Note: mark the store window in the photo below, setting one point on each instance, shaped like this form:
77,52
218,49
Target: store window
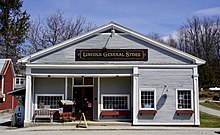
184,99
47,101
115,102
147,99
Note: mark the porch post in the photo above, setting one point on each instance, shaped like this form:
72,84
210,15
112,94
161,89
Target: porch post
28,97
66,87
135,95
196,94
98,99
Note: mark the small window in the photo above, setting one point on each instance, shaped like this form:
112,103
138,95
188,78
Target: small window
17,80
147,98
48,102
88,81
78,81
184,99
115,102
83,81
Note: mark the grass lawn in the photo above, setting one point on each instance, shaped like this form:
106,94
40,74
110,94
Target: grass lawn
213,105
209,121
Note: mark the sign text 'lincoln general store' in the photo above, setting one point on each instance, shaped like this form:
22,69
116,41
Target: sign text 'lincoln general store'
111,54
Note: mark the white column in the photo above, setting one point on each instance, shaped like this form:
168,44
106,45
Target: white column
135,95
66,87
196,94
28,97
98,93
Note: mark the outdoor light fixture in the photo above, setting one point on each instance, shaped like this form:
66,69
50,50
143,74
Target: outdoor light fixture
112,32
111,35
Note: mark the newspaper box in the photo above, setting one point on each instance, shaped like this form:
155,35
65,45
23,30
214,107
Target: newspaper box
66,110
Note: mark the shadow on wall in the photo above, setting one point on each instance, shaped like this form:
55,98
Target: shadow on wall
161,101
146,116
182,116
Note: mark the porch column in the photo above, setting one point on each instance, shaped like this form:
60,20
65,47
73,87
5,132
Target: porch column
135,95
196,94
28,97
99,101
66,88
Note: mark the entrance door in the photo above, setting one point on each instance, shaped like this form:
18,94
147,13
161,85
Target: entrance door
84,104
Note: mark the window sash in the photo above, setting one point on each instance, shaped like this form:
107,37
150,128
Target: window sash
147,99
184,99
48,101
115,102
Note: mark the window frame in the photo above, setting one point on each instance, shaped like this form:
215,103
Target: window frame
115,95
83,82
37,95
20,79
191,96
147,89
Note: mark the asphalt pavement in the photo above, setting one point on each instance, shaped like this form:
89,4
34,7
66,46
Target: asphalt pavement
209,110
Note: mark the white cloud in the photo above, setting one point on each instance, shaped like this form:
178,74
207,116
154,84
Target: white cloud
208,12
173,34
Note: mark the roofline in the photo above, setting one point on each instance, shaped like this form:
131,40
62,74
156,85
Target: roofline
67,42
124,29
8,62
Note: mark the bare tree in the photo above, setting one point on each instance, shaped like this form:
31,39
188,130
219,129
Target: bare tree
200,37
156,37
55,29
171,41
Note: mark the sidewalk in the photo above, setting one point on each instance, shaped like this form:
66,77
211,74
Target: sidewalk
209,110
110,128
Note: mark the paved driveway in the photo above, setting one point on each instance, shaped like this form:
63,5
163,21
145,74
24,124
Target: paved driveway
5,119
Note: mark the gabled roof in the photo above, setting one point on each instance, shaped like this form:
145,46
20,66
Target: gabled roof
4,65
116,27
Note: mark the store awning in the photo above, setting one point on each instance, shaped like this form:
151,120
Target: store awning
1,95
17,92
67,102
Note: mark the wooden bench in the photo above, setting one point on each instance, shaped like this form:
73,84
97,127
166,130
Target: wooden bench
115,113
43,113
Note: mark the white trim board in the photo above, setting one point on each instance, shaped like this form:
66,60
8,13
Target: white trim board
162,124
109,66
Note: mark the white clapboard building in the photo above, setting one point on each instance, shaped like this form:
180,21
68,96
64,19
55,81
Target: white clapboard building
115,74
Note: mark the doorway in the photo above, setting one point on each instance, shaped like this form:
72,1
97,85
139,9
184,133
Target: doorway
83,96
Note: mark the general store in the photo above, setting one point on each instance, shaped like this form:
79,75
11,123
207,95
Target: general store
115,74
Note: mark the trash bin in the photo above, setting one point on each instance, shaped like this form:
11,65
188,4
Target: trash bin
66,110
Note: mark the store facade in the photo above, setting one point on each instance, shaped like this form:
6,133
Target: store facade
115,74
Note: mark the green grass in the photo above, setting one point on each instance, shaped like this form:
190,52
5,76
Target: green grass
209,121
212,105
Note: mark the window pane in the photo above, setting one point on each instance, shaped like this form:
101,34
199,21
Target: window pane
17,80
78,81
147,99
88,81
184,99
115,102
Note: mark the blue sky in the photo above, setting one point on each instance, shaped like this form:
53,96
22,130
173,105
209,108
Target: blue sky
144,16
